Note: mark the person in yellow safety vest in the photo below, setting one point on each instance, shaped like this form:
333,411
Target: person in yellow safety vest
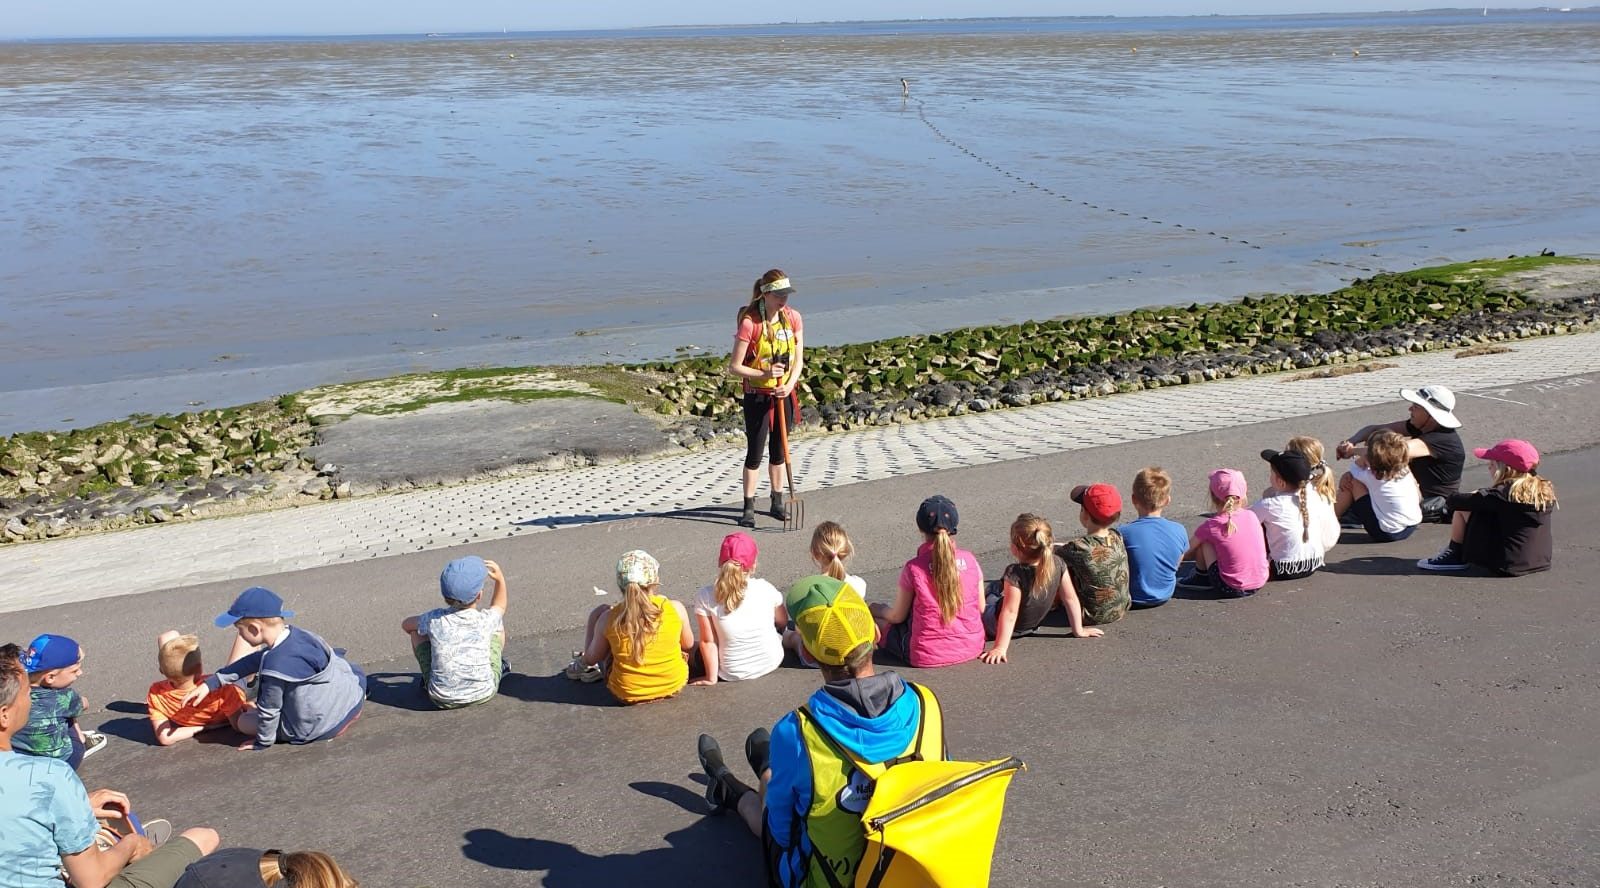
808,806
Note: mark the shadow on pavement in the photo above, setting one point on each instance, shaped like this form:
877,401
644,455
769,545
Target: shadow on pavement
681,796
130,728
1374,566
705,514
398,690
690,856
555,689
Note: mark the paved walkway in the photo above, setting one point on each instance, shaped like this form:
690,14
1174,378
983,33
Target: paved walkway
173,555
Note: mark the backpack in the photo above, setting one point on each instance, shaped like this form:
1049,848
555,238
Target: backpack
928,824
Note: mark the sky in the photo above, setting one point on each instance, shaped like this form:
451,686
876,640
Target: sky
135,18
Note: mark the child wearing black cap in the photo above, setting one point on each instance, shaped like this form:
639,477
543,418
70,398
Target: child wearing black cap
1293,549
937,615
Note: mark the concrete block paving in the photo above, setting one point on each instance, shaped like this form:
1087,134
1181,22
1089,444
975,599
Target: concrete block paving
173,555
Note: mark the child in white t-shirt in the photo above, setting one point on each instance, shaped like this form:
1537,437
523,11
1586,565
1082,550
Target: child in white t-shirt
1379,492
1294,550
460,647
740,617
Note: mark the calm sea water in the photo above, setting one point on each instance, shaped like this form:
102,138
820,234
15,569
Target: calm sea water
215,222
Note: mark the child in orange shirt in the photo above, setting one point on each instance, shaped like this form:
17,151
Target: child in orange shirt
178,657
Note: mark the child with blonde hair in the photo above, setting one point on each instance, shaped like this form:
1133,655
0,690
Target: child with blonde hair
830,549
1293,550
640,647
1324,519
1155,544
740,617
241,867
1029,589
54,663
937,615
1228,548
1504,527
178,657
1379,492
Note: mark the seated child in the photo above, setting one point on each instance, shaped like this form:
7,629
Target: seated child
1504,527
830,549
305,690
1155,544
1379,492
53,663
1030,588
1098,560
253,868
1293,551
458,646
1324,519
1228,549
178,657
937,615
740,617
639,646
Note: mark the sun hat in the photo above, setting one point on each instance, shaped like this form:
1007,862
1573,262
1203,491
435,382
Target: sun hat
227,868
462,579
937,513
1101,501
740,547
778,287
1227,482
1439,401
831,616
255,602
637,566
49,652
1291,465
1512,453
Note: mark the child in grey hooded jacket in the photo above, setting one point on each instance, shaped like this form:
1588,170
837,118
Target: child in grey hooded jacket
306,690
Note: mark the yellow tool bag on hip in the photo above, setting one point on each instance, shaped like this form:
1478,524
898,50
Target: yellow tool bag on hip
929,824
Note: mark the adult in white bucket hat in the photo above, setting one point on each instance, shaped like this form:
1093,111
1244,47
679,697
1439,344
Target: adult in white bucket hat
1437,453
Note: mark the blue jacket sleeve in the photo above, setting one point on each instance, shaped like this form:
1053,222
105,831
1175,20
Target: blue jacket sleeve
269,708
237,671
789,789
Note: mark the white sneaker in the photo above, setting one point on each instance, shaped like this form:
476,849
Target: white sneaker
577,670
93,742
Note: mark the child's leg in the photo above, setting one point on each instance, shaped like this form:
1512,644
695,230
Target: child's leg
239,649
752,805
592,627
1458,527
422,650
246,720
75,757
167,636
1350,490
1205,557
497,660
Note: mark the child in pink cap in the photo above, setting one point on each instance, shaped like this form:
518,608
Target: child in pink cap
1229,549
740,617
1506,526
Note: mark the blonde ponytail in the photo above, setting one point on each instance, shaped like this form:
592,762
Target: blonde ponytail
638,618
731,582
1526,488
1031,535
830,548
946,578
1305,513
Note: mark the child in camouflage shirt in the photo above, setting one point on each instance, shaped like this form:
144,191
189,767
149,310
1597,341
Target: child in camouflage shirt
1097,562
53,663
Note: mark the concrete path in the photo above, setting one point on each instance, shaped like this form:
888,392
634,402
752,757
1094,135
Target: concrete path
1369,726
84,568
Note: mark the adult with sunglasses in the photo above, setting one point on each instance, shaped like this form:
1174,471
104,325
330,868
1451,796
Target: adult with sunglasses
1437,453
768,356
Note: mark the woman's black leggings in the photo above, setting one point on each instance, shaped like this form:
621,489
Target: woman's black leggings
758,431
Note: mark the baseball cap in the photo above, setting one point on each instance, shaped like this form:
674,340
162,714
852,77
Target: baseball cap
937,513
831,616
49,652
1439,401
255,602
637,566
1101,501
740,547
227,868
1227,482
462,579
1291,465
779,287
1516,454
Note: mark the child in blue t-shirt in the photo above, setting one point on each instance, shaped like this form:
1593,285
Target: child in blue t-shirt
1155,544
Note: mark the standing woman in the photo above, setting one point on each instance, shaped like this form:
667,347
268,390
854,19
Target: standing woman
768,355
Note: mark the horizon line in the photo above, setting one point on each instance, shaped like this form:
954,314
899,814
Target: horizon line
785,24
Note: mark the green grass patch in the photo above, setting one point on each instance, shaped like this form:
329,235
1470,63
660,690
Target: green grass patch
1489,269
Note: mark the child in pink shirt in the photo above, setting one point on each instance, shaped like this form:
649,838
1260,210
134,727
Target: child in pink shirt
937,616
1229,548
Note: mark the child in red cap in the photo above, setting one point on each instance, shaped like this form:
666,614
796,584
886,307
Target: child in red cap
1097,561
1506,526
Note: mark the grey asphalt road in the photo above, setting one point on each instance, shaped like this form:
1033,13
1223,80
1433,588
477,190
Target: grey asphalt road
1368,726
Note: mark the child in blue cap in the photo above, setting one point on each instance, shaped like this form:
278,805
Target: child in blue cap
458,646
53,663
306,690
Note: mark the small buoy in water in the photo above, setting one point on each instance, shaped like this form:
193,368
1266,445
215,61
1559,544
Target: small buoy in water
1355,53
1133,49
511,55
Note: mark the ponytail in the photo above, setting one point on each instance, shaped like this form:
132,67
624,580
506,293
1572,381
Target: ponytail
1228,507
1305,513
637,618
946,578
830,546
1526,488
731,582
1031,537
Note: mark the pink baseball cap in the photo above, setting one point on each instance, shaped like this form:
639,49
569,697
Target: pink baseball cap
1519,455
1226,483
740,547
